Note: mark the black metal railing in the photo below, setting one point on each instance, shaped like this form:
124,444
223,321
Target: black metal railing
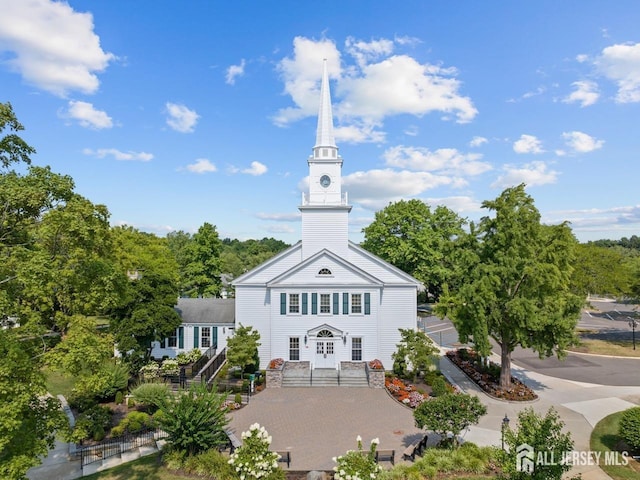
203,360
116,446
208,372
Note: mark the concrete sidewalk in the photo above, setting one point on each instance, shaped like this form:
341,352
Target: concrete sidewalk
580,406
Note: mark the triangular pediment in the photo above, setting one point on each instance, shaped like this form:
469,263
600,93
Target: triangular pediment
325,268
325,330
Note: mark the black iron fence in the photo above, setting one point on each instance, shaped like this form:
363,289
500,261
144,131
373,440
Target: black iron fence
116,446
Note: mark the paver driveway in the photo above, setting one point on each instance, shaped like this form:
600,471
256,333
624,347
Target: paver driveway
317,424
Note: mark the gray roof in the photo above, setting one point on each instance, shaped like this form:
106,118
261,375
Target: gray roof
212,311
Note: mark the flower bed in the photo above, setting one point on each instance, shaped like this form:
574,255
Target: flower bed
276,363
404,393
488,378
376,365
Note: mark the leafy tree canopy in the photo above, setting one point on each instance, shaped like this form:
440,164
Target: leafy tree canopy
242,348
418,241
28,418
518,291
13,149
414,353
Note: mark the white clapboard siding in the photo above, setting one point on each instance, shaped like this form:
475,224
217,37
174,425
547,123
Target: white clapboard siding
325,229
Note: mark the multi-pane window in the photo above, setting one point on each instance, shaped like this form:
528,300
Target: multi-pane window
356,303
356,349
205,337
294,303
324,271
294,348
172,340
325,303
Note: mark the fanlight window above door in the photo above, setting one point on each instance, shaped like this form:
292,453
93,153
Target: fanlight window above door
325,333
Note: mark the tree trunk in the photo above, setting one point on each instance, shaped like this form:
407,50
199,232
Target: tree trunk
505,368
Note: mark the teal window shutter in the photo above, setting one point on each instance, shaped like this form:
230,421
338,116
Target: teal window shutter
314,304
305,300
367,304
345,303
336,303
196,337
283,304
214,337
164,343
180,337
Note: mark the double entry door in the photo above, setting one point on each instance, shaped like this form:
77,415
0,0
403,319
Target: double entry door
325,355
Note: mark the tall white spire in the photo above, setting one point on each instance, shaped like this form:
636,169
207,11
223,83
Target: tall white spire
324,132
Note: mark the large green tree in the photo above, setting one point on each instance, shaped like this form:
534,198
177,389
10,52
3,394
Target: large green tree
28,417
601,271
242,348
414,353
518,290
145,315
417,240
202,272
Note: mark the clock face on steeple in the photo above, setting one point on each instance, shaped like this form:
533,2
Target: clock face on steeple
325,181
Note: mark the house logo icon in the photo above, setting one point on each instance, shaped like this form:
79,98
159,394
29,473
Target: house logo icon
525,456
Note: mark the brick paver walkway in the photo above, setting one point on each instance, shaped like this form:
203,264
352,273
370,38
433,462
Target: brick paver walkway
317,424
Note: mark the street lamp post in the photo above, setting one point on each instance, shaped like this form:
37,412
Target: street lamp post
505,427
633,323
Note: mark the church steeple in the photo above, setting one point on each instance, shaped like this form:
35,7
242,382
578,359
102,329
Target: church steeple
325,147
325,211
324,132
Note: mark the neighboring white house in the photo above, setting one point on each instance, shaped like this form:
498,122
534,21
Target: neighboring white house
326,300
206,322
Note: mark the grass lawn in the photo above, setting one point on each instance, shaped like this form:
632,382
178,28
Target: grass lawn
58,384
622,348
604,438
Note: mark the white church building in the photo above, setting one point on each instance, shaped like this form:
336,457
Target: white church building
325,300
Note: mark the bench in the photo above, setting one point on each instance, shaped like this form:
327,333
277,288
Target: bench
415,448
386,456
233,441
285,457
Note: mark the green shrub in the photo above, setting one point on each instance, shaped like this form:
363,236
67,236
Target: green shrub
92,423
119,397
151,395
237,398
170,367
150,371
104,384
629,428
117,431
438,387
209,464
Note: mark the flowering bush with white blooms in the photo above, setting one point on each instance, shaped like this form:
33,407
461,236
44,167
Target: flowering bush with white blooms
253,459
358,464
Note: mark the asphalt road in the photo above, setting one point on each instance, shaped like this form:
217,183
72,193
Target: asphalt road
606,318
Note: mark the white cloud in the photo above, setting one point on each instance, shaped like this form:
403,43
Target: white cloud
528,144
458,204
87,116
374,189
359,133
279,217
445,160
256,169
478,141
586,93
533,174
235,71
401,85
365,52
620,63
411,130
53,46
181,118
202,165
376,86
119,155
580,142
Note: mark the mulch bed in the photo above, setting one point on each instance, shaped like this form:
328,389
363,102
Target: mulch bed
488,379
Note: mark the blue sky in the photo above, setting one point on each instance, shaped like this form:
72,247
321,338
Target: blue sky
178,113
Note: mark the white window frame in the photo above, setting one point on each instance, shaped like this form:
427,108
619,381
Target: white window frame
325,309
294,306
205,340
293,349
356,306
172,340
355,350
